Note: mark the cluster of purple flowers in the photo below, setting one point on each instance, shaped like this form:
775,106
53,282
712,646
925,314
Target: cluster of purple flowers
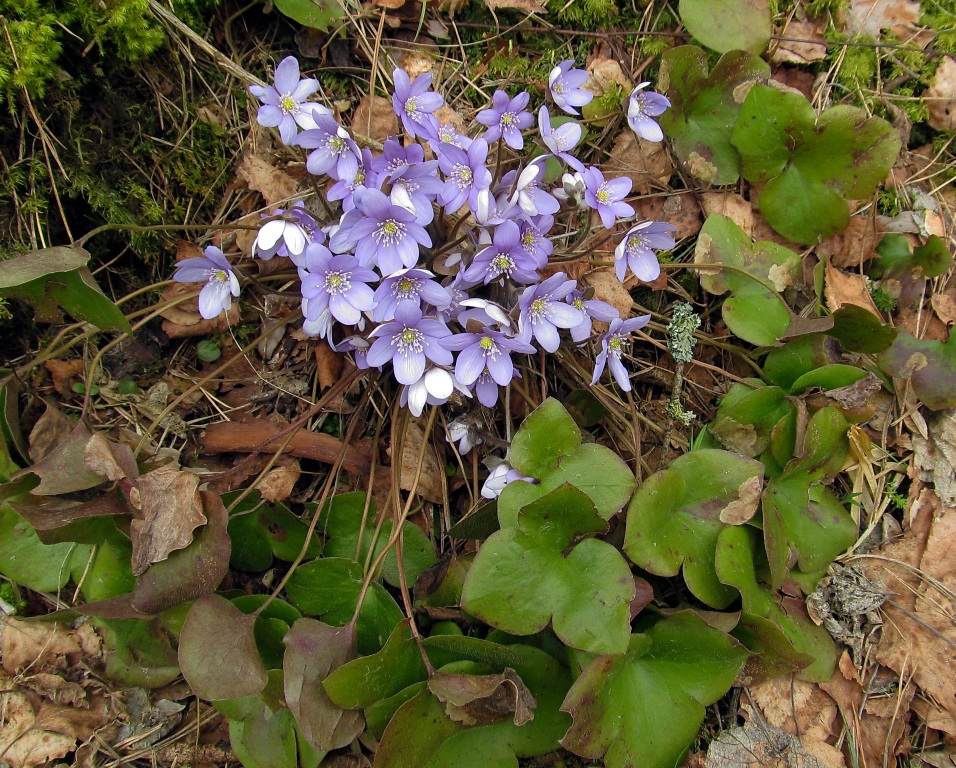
366,286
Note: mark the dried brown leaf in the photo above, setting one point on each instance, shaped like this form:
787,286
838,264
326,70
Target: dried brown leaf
844,288
45,647
484,699
51,429
940,97
731,205
374,117
868,17
278,483
113,461
65,374
329,365
274,185
62,469
646,163
172,509
429,483
801,42
608,288
744,507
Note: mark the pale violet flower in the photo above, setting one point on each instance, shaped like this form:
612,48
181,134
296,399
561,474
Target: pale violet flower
636,250
407,341
500,477
607,197
414,103
283,105
642,107
561,140
506,118
543,310
221,283
337,283
614,344
565,83
435,387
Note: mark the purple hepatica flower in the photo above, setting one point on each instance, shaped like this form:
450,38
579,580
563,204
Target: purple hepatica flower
395,158
634,250
334,151
448,134
543,311
407,341
506,118
344,188
528,196
283,105
613,346
501,476
415,285
503,258
565,84
221,283
534,241
416,188
336,282
641,108
606,196
561,140
388,235
414,103
465,174
435,387
287,236
358,346
593,309
489,350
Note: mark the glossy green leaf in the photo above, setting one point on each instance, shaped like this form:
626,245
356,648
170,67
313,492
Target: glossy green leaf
329,588
828,377
753,312
675,517
526,576
896,260
645,707
25,560
725,25
363,681
929,365
769,622
341,523
787,363
747,416
594,470
235,668
271,625
546,436
318,14
264,531
859,330
810,166
801,516
704,108
57,277
138,653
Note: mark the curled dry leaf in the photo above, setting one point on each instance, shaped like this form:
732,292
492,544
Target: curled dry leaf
940,97
429,483
45,647
868,17
484,699
374,117
278,483
608,288
605,73
744,507
802,42
528,6
114,461
944,304
731,205
65,374
274,185
855,245
51,429
329,364
62,469
171,510
646,163
844,288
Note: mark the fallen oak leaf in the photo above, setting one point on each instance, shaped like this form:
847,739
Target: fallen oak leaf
171,510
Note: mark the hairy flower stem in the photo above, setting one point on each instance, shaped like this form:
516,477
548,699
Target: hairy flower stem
681,343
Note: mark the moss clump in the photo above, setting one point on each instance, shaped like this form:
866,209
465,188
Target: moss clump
587,15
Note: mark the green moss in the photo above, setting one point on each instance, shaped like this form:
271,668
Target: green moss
587,15
822,8
882,299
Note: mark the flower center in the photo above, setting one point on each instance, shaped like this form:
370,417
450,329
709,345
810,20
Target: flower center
636,243
336,145
447,134
558,87
539,307
578,304
502,263
508,120
529,240
411,106
408,341
288,105
219,276
337,282
390,232
616,346
603,195
489,347
462,175
405,288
